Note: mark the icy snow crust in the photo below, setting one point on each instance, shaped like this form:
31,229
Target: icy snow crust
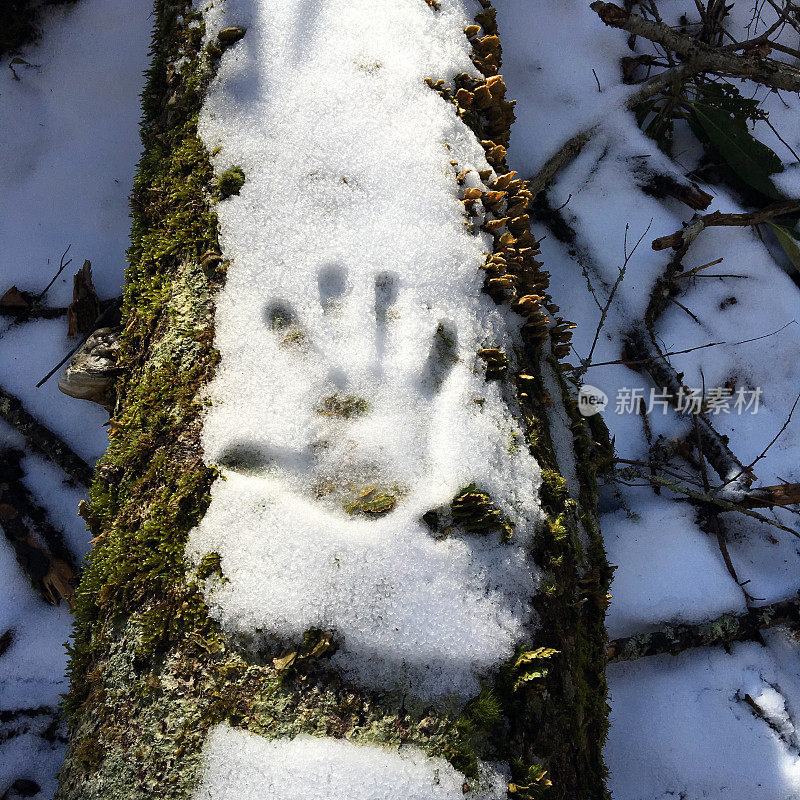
242,766
353,276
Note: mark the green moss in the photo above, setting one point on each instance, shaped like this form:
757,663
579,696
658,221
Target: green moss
482,712
210,564
230,182
344,406
530,782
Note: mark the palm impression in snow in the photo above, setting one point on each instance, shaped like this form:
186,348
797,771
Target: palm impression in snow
350,408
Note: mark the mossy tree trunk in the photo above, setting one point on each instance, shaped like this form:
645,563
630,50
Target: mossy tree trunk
151,673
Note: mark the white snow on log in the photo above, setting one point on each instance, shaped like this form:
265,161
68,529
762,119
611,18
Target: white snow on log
242,766
354,279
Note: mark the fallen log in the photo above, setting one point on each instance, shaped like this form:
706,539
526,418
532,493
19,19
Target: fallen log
162,686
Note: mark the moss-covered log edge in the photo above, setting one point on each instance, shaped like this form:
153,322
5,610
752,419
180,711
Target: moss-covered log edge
150,672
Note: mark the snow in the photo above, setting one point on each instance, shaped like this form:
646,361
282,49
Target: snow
343,144
31,670
242,766
69,139
69,136
30,754
667,572
602,196
681,727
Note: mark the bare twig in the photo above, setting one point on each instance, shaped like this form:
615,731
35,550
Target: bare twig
780,138
691,273
777,435
586,363
793,21
661,356
764,452
686,310
61,267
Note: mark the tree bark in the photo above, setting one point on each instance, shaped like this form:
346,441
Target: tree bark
719,632
151,672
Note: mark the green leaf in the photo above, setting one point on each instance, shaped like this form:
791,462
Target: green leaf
787,242
727,97
752,161
643,110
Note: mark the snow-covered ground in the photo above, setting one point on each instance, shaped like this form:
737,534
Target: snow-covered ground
68,143
709,723
680,727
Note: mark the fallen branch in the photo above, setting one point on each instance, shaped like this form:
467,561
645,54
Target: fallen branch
782,495
12,714
702,498
660,185
6,640
42,439
42,721
641,351
25,313
761,713
39,548
702,57
709,517
566,154
22,787
674,639
698,224
698,57
573,147
61,267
